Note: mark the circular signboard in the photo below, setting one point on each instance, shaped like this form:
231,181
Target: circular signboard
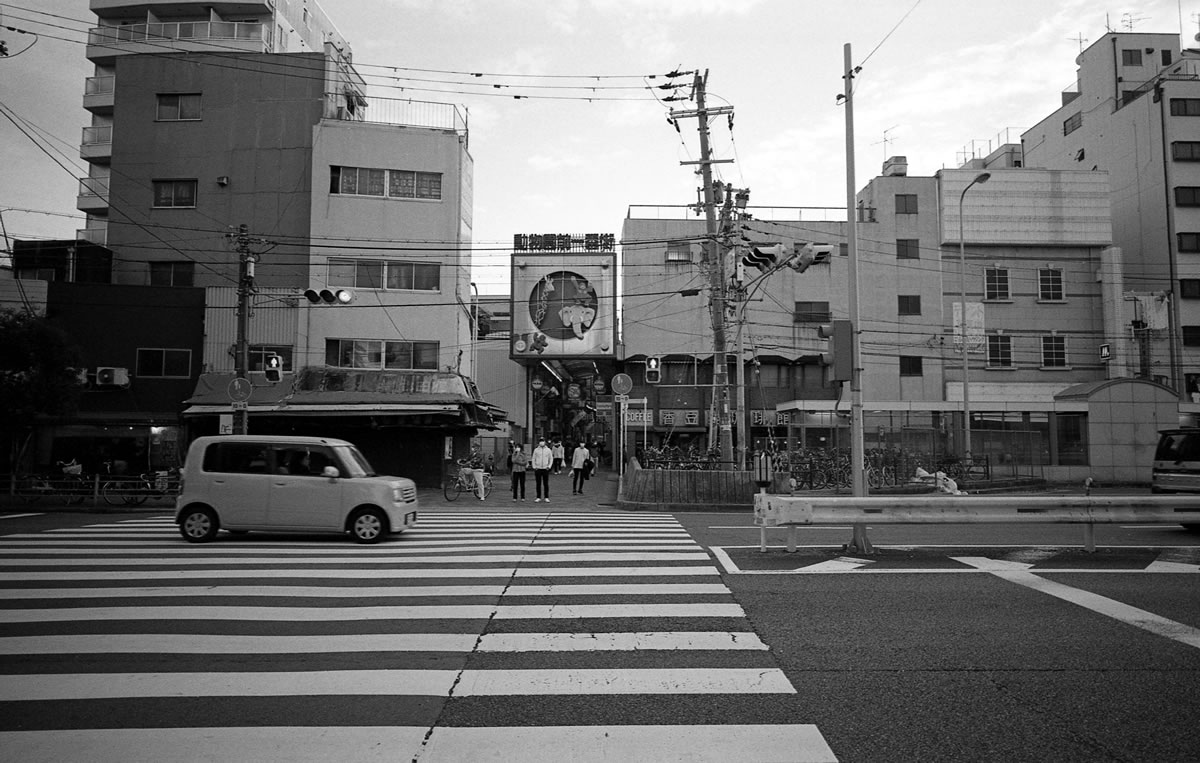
536,383
598,386
240,389
622,384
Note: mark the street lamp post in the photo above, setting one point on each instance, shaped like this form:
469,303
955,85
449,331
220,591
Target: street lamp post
962,317
474,330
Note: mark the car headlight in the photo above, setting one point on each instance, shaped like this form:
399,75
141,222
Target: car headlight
397,494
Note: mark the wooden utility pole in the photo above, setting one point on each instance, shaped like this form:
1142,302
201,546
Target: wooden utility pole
245,287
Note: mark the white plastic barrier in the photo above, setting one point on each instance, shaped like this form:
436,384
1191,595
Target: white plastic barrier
798,511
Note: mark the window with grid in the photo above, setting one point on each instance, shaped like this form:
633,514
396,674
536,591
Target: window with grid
393,184
995,284
999,351
177,107
1189,288
1187,196
377,354
1054,351
1050,285
166,363
384,274
172,273
1072,123
1185,107
911,365
174,193
679,251
1185,151
1131,57
812,312
908,304
908,249
906,203
1189,242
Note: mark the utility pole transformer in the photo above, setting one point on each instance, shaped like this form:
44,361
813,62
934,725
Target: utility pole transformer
245,287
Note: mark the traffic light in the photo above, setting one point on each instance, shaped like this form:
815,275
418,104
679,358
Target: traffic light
808,254
273,368
329,296
838,360
763,257
653,370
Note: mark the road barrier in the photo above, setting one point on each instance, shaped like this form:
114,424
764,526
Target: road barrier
799,511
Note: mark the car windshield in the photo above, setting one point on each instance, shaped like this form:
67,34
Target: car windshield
356,463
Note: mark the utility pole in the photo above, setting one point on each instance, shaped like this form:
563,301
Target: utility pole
714,262
245,287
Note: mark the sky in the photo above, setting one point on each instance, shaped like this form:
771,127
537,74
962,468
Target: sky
940,80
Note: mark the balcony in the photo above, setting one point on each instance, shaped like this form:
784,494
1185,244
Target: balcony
108,42
98,94
98,236
97,144
93,195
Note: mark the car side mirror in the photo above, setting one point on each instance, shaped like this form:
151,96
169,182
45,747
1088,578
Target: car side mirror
331,472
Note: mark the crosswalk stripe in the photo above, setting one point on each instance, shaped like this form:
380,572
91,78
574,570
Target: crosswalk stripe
480,683
479,573
331,614
340,592
202,643
109,549
616,556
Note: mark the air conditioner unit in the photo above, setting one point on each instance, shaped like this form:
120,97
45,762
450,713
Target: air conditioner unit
112,377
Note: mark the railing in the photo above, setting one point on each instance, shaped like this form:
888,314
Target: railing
180,30
93,187
99,85
397,111
98,236
95,136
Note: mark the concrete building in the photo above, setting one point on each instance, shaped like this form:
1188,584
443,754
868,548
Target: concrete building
1134,113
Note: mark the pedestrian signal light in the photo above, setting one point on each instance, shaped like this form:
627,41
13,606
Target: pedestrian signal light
653,370
273,369
837,359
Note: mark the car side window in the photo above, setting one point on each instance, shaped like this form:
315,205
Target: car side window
304,461
236,458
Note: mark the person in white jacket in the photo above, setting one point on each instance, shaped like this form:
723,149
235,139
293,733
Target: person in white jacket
541,460
579,459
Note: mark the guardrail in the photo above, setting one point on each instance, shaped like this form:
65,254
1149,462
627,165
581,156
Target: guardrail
799,511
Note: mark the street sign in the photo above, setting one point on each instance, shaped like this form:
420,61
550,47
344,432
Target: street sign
240,389
1105,352
622,384
536,383
621,398
240,405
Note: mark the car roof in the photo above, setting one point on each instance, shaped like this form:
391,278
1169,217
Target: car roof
270,439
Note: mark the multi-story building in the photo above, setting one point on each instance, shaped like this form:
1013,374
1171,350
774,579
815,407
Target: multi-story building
243,140
1134,113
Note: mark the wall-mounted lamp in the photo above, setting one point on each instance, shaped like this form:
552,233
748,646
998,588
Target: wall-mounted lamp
223,180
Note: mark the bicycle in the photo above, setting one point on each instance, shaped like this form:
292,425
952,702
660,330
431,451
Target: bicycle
463,481
70,485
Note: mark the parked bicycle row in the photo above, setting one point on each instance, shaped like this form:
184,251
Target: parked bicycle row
72,487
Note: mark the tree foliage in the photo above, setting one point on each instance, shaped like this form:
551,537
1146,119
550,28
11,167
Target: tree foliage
38,371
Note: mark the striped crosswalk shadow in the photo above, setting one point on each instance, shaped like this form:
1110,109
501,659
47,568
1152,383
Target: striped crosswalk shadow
475,635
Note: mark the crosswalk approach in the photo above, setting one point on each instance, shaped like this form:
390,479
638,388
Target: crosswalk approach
476,635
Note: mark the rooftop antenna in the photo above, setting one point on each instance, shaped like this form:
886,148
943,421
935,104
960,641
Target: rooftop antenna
1129,21
1080,39
886,140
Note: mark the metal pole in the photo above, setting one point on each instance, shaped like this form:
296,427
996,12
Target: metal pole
241,361
962,317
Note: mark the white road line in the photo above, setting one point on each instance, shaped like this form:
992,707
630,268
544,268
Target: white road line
480,573
84,686
492,683
1139,618
172,643
631,744
681,556
18,516
264,744
141,549
608,642
353,614
359,592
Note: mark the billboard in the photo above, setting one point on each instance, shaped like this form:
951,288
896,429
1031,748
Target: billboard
563,303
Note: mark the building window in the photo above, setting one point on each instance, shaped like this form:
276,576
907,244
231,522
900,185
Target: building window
178,107
385,274
174,193
1054,351
1072,123
172,273
1166,58
1131,57
1185,107
911,365
995,286
1050,285
999,351
376,354
1189,242
257,354
394,184
164,363
679,251
1072,439
1187,196
1189,288
908,248
906,203
1185,151
1191,336
812,312
908,304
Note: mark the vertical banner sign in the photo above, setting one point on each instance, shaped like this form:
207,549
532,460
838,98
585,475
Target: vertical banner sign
975,340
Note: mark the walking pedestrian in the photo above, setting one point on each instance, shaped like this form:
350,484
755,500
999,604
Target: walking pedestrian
518,461
542,458
578,468
559,452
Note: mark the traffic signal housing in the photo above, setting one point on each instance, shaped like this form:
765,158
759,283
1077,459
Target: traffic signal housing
809,254
838,358
273,368
653,370
329,296
763,257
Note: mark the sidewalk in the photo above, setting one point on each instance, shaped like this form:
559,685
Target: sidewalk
600,492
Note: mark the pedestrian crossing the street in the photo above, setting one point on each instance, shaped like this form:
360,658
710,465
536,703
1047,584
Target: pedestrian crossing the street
476,635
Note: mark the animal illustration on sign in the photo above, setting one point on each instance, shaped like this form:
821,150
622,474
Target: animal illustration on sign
563,305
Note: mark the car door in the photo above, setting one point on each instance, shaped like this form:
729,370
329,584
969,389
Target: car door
302,498
239,482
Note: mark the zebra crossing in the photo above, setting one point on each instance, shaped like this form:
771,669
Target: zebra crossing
476,635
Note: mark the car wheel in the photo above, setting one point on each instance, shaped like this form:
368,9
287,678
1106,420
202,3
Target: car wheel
199,525
368,526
